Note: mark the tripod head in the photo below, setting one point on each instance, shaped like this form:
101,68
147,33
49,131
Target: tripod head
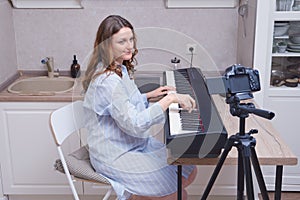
242,110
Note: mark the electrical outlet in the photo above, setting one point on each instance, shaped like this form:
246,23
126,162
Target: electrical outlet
191,48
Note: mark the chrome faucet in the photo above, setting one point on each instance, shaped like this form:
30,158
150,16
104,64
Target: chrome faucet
49,61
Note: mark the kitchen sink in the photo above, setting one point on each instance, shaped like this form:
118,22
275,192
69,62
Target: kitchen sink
42,85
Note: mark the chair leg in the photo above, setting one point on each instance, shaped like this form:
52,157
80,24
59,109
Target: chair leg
67,173
108,193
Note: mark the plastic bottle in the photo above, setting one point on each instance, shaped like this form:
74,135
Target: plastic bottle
75,68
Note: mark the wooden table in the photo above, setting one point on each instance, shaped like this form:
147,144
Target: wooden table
270,147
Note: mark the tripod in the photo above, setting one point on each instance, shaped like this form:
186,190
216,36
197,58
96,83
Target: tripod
245,144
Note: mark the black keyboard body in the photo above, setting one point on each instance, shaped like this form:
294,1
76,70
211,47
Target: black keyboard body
208,136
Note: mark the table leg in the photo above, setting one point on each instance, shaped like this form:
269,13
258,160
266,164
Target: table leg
278,183
179,182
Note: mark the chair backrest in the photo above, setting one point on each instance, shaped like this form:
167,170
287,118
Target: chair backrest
66,120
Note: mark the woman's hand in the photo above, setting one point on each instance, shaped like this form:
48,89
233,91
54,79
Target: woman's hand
186,102
159,92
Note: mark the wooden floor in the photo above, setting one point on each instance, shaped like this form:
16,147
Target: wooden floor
285,196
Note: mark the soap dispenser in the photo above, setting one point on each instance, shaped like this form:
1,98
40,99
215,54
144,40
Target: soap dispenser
75,68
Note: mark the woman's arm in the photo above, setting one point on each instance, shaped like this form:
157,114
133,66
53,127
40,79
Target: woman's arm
161,91
184,100
167,100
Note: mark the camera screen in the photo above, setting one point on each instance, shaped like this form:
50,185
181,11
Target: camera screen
239,83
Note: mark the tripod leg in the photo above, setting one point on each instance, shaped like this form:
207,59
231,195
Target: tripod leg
219,165
179,182
248,174
240,178
259,176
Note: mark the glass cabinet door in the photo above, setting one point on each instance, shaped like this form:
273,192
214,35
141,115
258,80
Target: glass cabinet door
285,65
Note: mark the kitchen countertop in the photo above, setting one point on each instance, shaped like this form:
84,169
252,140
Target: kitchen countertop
73,95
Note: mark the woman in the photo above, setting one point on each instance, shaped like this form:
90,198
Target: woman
119,119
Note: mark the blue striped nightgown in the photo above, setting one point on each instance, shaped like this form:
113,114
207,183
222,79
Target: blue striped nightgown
120,138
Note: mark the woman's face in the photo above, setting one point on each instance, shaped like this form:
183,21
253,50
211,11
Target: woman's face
122,45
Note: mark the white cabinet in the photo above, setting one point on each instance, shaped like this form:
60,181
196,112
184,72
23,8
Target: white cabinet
277,94
28,151
288,126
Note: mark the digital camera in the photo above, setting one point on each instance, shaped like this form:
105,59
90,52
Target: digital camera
240,79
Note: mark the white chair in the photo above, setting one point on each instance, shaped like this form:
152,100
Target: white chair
64,122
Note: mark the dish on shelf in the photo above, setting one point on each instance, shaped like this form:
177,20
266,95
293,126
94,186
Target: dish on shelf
279,78
293,59
291,82
296,8
284,5
294,23
293,46
276,65
294,32
295,69
295,38
293,50
281,29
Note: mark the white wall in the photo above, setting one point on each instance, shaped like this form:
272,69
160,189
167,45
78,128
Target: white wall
63,32
8,57
246,34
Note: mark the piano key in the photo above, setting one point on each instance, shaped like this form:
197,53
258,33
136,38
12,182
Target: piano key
170,78
175,124
182,122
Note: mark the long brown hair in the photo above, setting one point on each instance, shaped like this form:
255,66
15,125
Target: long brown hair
102,49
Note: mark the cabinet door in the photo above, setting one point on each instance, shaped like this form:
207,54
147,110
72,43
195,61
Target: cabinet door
286,121
280,78
28,151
